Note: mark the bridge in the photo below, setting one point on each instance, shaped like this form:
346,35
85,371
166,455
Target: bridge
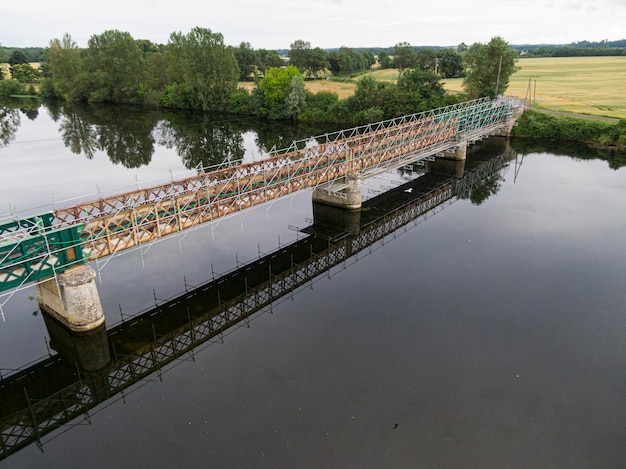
57,245
91,370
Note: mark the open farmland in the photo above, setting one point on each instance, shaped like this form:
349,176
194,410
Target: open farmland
585,85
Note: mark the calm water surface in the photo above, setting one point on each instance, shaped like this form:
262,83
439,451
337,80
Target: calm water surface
491,333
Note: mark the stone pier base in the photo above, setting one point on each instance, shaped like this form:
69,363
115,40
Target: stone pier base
345,194
457,153
72,299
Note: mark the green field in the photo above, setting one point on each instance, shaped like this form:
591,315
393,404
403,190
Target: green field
585,85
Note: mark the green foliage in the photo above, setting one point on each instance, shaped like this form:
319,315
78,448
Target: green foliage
274,89
295,98
176,96
205,65
11,87
48,91
450,64
372,114
425,83
384,59
269,58
346,61
489,68
247,61
319,106
308,61
116,68
25,73
17,57
404,56
298,53
568,129
66,67
244,103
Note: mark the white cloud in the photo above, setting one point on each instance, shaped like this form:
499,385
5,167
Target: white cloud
275,24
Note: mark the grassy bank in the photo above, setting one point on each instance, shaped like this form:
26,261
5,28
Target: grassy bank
566,129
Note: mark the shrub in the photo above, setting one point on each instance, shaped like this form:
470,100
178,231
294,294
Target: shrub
10,87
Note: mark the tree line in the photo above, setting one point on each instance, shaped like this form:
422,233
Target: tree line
197,70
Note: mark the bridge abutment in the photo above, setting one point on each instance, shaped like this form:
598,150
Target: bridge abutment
345,194
72,299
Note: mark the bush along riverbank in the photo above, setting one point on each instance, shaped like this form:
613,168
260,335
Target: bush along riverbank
590,132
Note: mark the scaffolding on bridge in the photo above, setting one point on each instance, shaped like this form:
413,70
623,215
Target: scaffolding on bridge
109,225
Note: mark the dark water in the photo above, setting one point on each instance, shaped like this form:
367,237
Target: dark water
489,333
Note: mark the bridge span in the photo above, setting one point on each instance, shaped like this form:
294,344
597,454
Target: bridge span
46,246
89,371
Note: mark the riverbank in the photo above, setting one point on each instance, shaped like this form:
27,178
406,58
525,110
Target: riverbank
565,128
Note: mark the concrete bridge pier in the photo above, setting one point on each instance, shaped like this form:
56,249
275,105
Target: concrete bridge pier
459,152
345,193
72,299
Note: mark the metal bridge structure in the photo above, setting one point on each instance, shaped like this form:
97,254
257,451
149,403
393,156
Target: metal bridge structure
42,246
60,391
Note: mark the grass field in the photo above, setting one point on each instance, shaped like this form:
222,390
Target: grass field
585,85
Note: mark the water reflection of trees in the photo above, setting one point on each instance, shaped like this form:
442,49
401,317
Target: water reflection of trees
615,158
9,123
203,142
125,134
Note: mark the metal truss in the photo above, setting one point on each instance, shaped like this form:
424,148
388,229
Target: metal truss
117,223
134,218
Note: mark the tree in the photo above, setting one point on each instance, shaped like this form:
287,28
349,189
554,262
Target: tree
1,61
489,68
384,59
299,53
203,67
317,61
426,59
66,67
345,61
17,57
116,66
424,83
403,56
269,58
295,98
274,89
25,73
450,64
248,61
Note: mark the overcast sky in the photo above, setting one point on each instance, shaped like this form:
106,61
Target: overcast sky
275,24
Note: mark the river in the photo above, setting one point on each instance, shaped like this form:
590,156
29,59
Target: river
489,332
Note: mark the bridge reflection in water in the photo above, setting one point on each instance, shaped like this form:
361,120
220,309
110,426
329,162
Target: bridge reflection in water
90,370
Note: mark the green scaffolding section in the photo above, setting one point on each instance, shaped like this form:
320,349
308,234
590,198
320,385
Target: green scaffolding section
32,249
